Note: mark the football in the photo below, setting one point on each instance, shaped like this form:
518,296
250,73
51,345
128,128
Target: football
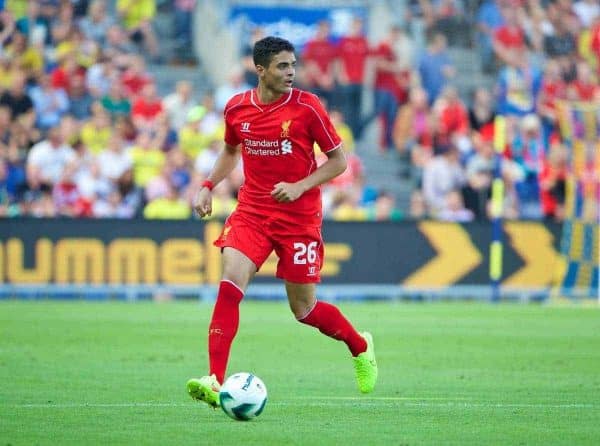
243,396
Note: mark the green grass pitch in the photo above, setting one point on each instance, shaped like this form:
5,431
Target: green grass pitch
450,373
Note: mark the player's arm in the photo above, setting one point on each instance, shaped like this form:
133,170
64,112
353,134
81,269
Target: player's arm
225,163
334,166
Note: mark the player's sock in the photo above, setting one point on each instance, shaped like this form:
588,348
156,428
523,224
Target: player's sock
331,322
223,327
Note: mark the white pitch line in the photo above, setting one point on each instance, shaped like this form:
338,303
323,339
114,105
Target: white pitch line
327,402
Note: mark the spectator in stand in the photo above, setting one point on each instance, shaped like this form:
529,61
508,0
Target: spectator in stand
28,58
32,24
435,67
552,179
137,16
250,76
40,204
48,159
131,204
206,158
118,47
62,24
7,71
319,63
147,108
7,26
192,139
50,103
135,77
352,50
585,87
115,102
147,158
489,19
449,19
97,22
97,131
178,104
453,120
442,175
92,186
560,44
100,76
184,12
62,76
553,89
518,86
528,150
480,173
509,39
169,207
18,101
414,132
391,83
454,208
80,100
384,208
481,110
347,205
113,160
587,11
234,84
417,208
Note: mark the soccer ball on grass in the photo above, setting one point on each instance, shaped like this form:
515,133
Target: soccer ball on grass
243,396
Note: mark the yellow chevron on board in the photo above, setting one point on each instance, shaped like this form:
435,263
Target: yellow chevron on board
456,255
534,244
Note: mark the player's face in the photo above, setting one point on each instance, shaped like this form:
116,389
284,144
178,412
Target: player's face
279,75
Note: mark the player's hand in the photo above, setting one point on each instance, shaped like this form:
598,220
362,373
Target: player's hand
286,192
203,203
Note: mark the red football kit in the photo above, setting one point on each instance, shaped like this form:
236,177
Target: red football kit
276,142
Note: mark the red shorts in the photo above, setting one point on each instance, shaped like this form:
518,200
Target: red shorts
299,248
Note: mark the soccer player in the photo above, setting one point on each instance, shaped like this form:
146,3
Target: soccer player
273,127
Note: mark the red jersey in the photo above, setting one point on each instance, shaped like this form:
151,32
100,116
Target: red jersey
321,52
277,142
353,52
510,36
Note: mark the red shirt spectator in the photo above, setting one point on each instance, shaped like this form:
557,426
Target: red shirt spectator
510,36
62,76
319,55
147,107
353,51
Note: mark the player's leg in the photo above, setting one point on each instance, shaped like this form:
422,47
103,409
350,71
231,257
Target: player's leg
237,272
330,321
245,248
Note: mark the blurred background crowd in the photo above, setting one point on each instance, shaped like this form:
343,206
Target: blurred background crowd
86,131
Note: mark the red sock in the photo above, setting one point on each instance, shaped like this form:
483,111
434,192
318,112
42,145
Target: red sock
331,322
223,327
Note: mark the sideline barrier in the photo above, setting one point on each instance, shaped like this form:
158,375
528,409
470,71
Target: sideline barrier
131,259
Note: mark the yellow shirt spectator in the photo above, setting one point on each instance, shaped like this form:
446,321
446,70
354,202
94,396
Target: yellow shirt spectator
18,8
147,163
95,139
168,209
192,140
135,12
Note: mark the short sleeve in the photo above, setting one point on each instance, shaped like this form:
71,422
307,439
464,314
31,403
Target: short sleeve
321,128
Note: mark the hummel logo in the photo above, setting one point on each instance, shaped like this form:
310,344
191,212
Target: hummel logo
245,126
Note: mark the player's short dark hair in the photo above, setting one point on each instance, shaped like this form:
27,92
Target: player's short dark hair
266,48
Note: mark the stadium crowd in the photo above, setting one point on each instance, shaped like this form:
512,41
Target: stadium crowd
84,132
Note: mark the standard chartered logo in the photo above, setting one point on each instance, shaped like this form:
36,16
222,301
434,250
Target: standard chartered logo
265,147
286,146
